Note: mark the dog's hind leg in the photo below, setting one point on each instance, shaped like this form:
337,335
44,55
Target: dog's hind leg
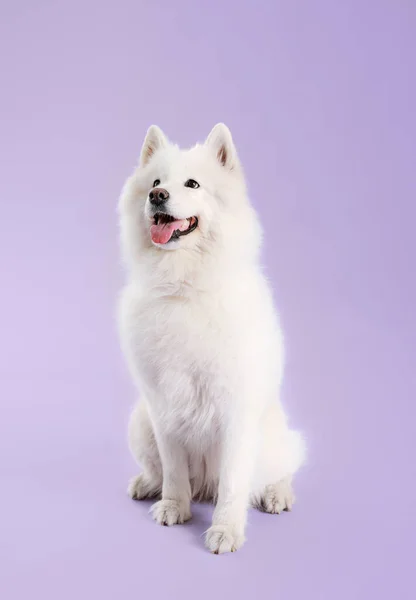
144,449
282,453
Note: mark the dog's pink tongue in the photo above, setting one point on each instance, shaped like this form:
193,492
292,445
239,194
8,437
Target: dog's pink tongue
162,232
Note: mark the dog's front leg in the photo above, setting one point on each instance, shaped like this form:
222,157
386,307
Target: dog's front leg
239,447
175,505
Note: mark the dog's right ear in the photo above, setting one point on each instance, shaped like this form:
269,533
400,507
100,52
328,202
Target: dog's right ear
155,140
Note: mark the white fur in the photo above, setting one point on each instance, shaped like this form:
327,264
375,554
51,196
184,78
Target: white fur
201,336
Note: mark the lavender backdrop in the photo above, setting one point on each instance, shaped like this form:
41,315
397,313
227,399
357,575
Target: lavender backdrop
320,97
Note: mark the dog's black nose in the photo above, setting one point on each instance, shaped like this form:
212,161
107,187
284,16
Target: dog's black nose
158,196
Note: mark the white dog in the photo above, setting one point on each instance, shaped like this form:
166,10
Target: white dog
202,340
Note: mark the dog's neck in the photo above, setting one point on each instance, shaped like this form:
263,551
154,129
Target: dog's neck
183,273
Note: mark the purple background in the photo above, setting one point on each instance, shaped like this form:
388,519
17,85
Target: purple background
320,97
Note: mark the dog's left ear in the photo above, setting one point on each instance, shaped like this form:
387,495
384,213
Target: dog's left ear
221,142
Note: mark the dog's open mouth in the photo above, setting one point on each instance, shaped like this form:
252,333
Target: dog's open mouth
166,228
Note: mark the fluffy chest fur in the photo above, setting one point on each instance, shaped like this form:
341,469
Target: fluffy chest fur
191,352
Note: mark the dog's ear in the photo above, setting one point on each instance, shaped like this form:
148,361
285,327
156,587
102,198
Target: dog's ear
221,142
154,140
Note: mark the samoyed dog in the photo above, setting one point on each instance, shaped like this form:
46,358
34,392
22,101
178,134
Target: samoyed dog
201,337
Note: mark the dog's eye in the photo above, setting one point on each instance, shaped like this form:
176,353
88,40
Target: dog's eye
192,184
156,182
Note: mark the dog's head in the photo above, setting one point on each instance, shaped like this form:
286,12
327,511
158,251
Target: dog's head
187,199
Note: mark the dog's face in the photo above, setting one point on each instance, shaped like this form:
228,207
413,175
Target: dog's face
187,199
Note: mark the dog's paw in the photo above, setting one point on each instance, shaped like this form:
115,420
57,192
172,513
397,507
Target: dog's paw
278,497
140,488
137,488
222,538
171,512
